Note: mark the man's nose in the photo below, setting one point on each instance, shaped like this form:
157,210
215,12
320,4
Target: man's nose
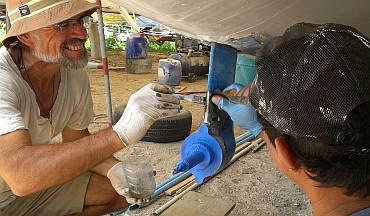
77,31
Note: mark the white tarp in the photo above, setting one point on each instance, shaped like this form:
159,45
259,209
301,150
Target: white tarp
225,20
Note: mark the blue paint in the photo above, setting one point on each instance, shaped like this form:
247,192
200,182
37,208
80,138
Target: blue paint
212,146
221,66
168,180
194,158
222,74
201,154
136,46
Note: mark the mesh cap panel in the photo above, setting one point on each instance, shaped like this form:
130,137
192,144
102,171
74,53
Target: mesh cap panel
309,79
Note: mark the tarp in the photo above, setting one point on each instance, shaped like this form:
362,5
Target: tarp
227,21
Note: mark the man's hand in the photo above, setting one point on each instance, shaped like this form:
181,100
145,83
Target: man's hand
243,115
118,180
150,103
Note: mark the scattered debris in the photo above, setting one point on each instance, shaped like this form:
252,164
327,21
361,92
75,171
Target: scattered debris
194,204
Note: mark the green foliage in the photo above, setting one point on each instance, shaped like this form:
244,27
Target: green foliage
114,44
88,45
167,46
154,47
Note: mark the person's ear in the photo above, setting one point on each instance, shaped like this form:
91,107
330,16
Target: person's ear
26,39
284,154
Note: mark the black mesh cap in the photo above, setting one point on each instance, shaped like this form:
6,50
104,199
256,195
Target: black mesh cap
309,79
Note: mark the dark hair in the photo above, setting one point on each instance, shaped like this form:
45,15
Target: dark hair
344,164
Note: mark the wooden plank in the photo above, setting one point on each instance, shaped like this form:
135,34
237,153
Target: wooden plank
195,204
176,187
117,68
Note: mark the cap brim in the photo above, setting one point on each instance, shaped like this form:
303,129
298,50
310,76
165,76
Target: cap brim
51,16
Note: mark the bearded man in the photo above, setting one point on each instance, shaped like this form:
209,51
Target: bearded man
44,91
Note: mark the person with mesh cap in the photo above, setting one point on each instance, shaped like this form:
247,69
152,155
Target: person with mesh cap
312,97
44,91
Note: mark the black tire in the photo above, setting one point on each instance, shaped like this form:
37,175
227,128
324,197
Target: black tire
169,129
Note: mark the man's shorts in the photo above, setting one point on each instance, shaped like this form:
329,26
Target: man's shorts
63,199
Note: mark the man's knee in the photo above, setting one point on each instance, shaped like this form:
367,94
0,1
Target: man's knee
101,193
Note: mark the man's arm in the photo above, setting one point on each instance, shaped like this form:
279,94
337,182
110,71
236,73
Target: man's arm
69,135
111,165
29,168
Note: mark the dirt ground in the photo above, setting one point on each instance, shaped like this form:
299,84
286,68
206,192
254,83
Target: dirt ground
252,182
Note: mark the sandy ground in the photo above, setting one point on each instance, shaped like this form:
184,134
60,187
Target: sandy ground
252,182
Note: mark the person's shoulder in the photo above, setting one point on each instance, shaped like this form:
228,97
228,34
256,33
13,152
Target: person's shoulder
4,55
6,62
9,73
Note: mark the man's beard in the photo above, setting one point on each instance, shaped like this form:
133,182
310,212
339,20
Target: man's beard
64,61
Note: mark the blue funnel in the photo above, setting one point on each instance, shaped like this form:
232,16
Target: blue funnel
201,154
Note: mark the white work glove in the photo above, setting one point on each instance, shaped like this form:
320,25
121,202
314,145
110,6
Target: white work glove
118,180
150,103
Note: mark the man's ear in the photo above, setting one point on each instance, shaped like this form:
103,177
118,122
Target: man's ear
26,39
285,154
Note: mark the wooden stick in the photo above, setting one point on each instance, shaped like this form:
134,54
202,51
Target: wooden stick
176,187
117,68
192,92
242,146
185,187
180,89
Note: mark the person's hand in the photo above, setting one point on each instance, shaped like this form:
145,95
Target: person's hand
150,103
243,115
234,89
118,180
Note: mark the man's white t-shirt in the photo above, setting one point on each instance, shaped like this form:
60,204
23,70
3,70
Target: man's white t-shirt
19,110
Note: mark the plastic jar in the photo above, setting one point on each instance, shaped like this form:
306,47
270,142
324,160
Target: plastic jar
139,176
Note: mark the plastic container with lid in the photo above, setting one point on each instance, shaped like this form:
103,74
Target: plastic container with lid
169,72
